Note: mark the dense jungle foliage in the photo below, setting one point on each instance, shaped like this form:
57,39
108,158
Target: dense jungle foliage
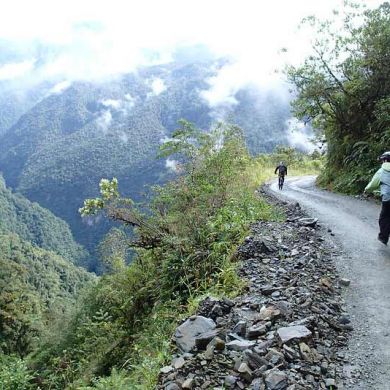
37,225
38,282
343,90
38,289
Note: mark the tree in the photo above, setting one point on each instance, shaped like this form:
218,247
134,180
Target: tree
113,250
343,90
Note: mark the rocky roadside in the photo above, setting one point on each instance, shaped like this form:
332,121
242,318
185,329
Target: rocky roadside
286,332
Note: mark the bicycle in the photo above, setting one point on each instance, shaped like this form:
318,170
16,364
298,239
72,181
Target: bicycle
281,181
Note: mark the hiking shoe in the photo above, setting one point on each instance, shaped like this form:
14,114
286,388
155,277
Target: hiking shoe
382,240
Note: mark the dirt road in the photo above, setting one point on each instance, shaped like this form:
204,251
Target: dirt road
366,262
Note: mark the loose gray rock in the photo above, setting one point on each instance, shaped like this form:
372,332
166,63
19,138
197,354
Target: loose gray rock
268,313
187,332
309,222
240,328
257,384
255,331
256,246
255,361
178,363
276,380
289,333
345,282
172,386
188,384
203,339
166,369
218,343
209,354
330,383
245,372
230,381
240,345
287,328
274,356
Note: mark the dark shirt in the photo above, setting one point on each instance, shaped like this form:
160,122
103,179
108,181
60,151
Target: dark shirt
282,170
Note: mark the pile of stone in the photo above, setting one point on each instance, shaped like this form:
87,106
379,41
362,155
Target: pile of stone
285,332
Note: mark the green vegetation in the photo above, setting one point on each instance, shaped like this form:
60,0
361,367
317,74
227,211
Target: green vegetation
61,147
37,225
185,243
343,90
38,289
14,373
37,299
38,283
60,328
298,163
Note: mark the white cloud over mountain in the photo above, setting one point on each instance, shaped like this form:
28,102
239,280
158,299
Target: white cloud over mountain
91,40
158,86
14,70
95,40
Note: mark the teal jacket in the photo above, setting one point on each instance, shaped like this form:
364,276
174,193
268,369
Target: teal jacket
381,181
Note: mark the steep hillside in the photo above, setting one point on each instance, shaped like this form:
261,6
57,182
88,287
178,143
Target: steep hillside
16,100
35,224
38,289
263,116
58,151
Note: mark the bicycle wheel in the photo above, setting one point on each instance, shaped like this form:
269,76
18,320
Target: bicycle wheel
281,182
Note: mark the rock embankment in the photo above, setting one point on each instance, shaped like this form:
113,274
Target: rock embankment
285,332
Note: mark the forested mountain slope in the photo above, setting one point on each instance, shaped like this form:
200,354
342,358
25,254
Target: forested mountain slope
16,102
37,225
39,281
38,290
58,151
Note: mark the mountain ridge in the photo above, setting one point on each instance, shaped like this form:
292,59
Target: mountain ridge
60,149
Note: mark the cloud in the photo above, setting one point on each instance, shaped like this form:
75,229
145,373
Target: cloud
15,70
116,104
121,106
127,104
130,99
94,40
114,108
104,120
300,136
240,74
222,90
157,85
172,165
60,87
124,137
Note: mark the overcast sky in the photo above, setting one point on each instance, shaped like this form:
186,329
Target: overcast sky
98,39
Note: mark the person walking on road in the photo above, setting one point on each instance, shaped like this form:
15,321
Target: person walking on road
381,181
282,172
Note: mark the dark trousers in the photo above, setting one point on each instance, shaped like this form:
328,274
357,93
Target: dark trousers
384,221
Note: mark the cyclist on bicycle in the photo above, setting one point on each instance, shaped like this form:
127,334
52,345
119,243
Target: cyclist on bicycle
381,182
282,172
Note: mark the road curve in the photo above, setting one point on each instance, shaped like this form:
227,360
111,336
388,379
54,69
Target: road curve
366,262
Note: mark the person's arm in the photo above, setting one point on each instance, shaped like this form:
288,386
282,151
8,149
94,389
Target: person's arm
286,171
375,182
276,169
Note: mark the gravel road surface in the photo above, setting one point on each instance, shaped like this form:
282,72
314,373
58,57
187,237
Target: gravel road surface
361,258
